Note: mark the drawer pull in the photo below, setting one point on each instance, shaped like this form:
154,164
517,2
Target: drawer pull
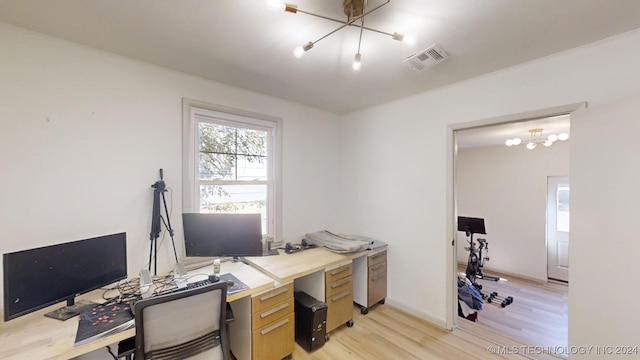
338,271
374,268
343,295
340,283
274,310
272,295
378,255
274,326
377,277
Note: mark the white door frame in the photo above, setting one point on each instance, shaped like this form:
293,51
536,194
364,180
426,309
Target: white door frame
451,206
558,231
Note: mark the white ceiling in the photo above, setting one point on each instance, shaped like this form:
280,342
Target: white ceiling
249,44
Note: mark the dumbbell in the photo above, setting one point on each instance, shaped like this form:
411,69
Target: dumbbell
504,300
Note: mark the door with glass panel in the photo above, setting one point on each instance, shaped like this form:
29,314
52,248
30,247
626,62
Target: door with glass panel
558,227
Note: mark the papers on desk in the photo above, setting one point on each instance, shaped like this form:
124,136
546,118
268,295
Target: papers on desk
339,243
103,320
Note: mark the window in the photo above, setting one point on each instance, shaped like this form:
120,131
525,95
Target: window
231,162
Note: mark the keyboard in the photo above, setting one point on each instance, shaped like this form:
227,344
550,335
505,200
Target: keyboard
191,285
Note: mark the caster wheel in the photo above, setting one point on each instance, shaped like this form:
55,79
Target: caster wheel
327,337
381,302
364,311
350,323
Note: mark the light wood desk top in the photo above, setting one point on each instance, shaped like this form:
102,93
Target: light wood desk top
287,267
35,336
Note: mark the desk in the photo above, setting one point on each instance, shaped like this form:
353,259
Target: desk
289,267
325,275
35,336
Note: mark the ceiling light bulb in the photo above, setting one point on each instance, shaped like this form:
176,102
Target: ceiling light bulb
563,136
357,64
552,137
517,141
509,142
548,143
531,146
409,40
300,50
278,4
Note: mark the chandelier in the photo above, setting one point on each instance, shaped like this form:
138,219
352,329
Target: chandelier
535,139
355,10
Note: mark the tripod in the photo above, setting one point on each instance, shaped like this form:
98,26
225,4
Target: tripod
156,220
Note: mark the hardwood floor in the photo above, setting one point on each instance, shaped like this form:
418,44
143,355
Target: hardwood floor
389,333
537,316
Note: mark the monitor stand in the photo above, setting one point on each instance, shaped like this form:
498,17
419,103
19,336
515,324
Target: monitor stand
69,311
267,252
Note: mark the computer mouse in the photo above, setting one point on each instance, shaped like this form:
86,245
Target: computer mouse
230,283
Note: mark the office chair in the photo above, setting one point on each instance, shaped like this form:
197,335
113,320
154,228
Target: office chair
188,324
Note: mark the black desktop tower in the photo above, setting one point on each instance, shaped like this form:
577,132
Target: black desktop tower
311,321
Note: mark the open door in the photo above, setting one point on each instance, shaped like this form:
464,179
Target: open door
558,227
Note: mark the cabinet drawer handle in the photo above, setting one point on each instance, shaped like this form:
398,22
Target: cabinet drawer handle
274,326
344,294
374,268
274,310
377,277
378,255
272,295
338,271
340,283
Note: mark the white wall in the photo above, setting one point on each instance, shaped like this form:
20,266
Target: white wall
397,175
605,178
507,186
83,134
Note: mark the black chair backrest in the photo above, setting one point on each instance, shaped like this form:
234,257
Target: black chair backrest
182,324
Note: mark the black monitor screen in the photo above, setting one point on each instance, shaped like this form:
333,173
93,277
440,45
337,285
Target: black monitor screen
37,278
471,225
222,234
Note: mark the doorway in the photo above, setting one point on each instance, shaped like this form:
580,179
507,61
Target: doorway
558,226
509,189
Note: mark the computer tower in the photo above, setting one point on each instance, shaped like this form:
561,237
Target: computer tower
311,321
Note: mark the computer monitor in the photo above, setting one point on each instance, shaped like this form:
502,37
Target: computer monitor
219,235
37,278
471,225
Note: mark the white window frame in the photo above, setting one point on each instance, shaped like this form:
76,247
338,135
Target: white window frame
194,112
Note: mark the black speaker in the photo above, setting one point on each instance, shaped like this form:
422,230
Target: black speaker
311,321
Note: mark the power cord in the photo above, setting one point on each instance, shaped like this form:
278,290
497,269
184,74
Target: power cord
112,354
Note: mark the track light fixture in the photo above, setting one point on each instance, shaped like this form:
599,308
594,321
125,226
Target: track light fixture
354,10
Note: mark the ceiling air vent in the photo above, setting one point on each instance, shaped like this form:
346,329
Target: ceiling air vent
426,58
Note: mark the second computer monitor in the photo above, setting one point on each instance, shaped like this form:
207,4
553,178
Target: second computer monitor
219,235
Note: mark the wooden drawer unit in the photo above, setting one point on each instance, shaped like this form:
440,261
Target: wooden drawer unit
370,280
272,324
274,341
339,296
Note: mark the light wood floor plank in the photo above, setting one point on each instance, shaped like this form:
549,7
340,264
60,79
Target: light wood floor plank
537,316
389,333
